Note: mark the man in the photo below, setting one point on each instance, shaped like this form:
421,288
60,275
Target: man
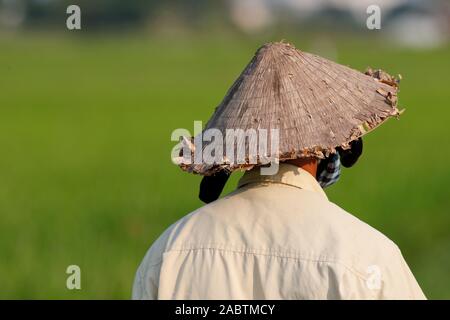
278,236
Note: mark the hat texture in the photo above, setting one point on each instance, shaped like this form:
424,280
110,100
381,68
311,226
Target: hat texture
316,104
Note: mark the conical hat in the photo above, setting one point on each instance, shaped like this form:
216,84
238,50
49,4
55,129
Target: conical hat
316,104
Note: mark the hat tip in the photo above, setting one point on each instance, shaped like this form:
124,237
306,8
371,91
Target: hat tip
279,45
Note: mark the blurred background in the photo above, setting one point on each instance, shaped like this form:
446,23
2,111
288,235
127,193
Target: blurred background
86,117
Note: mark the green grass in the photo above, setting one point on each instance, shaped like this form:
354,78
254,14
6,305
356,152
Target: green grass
85,170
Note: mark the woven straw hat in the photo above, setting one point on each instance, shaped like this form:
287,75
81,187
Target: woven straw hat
316,104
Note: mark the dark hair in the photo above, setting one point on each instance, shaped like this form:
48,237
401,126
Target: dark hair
350,156
211,186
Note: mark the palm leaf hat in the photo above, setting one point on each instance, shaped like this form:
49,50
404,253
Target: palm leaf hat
316,104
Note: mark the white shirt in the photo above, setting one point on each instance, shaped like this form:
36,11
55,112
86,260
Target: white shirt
275,237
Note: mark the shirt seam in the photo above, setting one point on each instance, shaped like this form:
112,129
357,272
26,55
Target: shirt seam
276,254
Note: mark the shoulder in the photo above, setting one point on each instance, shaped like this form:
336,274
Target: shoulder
356,227
302,221
359,242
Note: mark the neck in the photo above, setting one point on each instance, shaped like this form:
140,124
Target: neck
307,164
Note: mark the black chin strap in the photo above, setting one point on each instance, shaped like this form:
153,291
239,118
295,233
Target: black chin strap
211,186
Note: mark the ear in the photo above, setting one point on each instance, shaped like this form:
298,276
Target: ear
350,156
211,186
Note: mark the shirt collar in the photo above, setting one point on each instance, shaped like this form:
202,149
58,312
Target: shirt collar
288,174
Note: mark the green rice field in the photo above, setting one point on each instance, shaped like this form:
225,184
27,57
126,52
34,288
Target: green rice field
85,171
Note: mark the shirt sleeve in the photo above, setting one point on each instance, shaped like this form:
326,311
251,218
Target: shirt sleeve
399,282
146,283
388,279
